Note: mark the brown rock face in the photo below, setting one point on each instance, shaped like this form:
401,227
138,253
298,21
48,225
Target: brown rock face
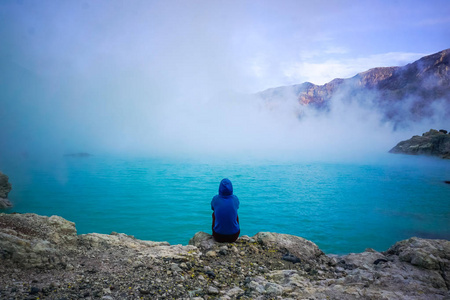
402,94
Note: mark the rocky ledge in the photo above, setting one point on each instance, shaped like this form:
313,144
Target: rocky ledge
44,258
433,142
5,188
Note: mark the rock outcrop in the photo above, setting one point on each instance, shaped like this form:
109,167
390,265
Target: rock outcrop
42,257
5,188
433,142
30,240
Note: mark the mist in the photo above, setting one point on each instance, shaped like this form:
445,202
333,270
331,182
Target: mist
167,80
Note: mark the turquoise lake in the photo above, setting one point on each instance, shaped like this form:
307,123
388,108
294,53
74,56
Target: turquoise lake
341,206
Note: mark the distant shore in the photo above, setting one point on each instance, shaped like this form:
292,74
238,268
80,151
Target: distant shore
43,257
432,143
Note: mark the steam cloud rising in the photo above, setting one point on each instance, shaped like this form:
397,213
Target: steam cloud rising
111,79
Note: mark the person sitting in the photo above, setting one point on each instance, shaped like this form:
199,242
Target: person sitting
225,225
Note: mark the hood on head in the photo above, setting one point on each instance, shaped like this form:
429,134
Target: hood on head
225,187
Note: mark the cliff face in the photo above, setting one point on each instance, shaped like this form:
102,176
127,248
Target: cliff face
43,257
402,94
433,142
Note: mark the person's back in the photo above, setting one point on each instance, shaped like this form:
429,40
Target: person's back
225,217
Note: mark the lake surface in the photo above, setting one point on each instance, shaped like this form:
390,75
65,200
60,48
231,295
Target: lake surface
341,206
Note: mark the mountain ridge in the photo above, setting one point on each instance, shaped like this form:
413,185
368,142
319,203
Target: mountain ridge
401,93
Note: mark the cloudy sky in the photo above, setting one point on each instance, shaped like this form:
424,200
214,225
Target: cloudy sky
110,66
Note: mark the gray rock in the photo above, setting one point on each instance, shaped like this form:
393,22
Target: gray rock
255,286
195,293
427,254
433,142
273,289
297,246
202,240
364,260
30,240
175,267
212,290
234,292
5,203
5,186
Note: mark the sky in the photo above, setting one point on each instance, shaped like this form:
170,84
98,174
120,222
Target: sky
167,75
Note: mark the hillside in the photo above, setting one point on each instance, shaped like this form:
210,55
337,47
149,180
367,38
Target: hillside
402,94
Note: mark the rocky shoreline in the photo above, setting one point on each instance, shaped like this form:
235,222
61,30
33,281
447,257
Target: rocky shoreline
44,258
433,143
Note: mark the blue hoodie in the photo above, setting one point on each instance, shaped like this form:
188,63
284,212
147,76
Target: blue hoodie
225,206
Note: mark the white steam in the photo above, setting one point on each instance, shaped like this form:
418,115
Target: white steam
159,78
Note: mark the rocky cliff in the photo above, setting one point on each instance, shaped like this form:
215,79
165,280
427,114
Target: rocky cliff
433,142
401,94
5,188
43,257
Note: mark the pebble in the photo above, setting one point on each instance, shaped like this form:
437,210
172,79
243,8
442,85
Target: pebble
183,265
194,293
254,249
144,292
211,253
253,285
211,274
234,292
175,268
207,268
212,290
